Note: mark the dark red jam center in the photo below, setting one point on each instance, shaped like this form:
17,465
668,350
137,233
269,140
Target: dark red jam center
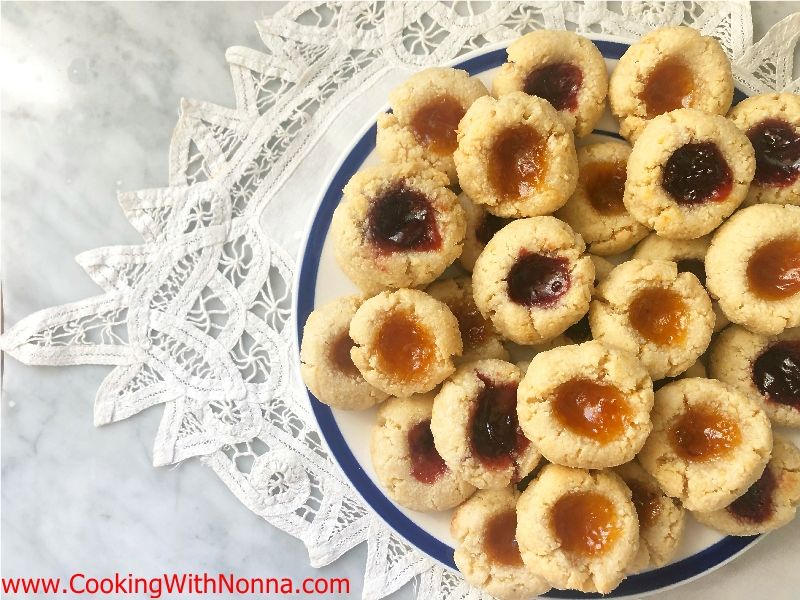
490,225
558,83
697,173
776,373
580,332
500,539
426,464
340,354
538,280
777,147
756,505
694,266
402,219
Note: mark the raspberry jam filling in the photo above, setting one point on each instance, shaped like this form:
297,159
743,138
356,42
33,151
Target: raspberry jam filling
473,327
585,523
558,83
646,501
403,220
773,271
668,87
595,410
697,173
426,464
777,147
435,124
538,280
340,355
757,504
659,315
517,162
695,266
702,434
490,224
404,347
605,184
776,373
500,539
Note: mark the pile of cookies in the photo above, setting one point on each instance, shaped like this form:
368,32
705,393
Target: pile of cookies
524,394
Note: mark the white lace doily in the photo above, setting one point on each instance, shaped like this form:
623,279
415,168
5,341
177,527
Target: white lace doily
197,318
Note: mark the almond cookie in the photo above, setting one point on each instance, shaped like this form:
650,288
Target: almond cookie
405,342
325,362
753,268
516,156
669,68
580,332
485,530
687,172
661,518
405,459
710,442
766,368
397,226
577,529
481,227
596,210
689,255
698,369
649,309
533,280
475,425
426,110
562,67
769,503
772,123
586,405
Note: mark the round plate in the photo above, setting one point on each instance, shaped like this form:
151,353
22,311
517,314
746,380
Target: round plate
347,434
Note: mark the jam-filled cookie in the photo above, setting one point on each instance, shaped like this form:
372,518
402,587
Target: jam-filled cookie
562,67
516,156
577,529
687,172
481,227
669,68
405,342
533,279
689,255
586,405
596,210
766,368
649,309
325,362
753,267
769,503
406,461
698,369
772,122
710,442
397,226
426,110
475,425
487,554
661,518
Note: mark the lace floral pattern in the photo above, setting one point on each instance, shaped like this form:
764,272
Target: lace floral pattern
196,318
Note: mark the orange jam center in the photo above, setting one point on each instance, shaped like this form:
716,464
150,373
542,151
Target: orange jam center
405,348
435,124
473,327
773,272
605,183
646,501
500,541
659,315
595,410
701,434
669,86
340,354
585,523
517,162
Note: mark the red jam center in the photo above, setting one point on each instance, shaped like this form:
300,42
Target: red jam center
591,409
776,373
659,315
585,523
605,185
777,147
435,124
404,347
558,83
496,438
538,280
702,434
517,162
697,173
500,539
426,464
340,355
773,272
757,504
668,87
646,501
580,332
403,220
490,225
695,266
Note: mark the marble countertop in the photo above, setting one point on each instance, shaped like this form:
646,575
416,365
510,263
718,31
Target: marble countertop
90,94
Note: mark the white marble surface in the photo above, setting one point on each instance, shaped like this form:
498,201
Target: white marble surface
89,98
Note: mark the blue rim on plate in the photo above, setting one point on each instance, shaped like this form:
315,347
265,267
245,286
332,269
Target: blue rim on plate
657,579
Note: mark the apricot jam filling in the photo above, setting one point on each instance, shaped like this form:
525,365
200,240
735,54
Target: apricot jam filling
592,409
757,504
585,523
558,83
702,434
426,464
538,280
668,87
500,539
659,315
435,124
773,271
697,173
517,162
604,183
402,220
776,373
405,348
646,501
777,146
340,354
